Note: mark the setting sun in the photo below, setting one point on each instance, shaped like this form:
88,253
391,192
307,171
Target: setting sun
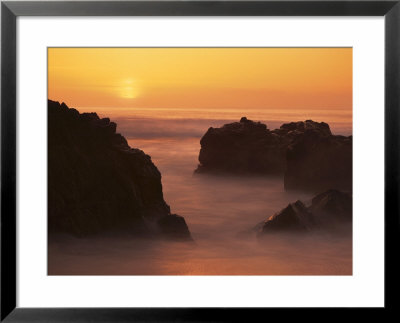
128,90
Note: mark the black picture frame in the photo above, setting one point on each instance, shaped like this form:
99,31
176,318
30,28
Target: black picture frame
10,10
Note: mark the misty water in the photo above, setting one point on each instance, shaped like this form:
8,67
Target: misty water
219,210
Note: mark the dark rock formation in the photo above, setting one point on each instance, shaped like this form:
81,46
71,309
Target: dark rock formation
293,129
174,226
294,217
317,161
97,184
306,152
327,209
242,147
332,205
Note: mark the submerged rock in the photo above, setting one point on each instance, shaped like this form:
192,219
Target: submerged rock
294,217
327,209
332,205
97,184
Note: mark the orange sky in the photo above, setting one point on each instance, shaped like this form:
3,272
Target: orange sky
209,78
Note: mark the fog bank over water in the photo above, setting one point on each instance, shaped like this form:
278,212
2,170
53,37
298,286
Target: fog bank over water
150,123
217,210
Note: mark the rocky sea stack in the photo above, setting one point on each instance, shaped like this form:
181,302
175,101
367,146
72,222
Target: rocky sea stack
305,152
97,184
242,147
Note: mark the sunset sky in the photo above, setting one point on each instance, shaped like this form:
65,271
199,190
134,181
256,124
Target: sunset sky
201,78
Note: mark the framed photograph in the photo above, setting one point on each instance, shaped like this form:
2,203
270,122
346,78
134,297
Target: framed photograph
197,160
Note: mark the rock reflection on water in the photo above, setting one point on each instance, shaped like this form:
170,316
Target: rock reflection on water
216,209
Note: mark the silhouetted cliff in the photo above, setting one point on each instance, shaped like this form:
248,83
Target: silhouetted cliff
97,184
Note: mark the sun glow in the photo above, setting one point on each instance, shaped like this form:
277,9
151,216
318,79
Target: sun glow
128,89
128,92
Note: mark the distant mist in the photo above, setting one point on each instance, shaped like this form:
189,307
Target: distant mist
189,127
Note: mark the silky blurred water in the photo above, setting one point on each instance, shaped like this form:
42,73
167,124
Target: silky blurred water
217,209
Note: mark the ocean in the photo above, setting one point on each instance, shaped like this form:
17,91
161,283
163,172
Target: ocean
219,210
